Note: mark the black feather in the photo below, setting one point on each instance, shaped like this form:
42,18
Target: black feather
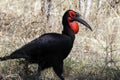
49,50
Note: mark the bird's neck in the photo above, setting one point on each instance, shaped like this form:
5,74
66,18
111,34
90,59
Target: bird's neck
67,31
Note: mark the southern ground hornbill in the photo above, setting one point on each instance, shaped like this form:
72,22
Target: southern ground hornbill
49,50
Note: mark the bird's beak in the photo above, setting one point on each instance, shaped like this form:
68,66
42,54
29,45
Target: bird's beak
77,18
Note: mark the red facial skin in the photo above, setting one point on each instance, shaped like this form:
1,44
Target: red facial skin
73,24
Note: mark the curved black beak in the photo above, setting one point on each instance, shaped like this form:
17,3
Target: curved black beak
77,18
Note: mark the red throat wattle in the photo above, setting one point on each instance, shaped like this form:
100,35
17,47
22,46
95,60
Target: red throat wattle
73,25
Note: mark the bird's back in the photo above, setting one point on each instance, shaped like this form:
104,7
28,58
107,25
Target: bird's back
49,46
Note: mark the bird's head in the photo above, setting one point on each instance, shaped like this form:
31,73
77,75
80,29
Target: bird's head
71,18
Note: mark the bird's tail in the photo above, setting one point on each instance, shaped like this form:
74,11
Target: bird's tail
11,56
14,55
5,58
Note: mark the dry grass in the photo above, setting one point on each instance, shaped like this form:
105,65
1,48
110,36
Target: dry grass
95,55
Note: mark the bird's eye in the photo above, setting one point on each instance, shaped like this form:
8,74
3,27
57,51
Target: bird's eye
72,14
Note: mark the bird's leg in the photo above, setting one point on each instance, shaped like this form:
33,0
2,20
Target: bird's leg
26,68
38,73
39,70
58,69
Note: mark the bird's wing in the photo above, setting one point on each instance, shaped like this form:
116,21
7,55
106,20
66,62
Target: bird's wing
45,45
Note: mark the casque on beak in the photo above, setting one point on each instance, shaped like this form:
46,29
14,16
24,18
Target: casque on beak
77,18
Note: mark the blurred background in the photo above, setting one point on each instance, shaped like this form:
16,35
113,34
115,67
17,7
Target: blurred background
95,55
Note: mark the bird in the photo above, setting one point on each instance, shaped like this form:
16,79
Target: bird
50,49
